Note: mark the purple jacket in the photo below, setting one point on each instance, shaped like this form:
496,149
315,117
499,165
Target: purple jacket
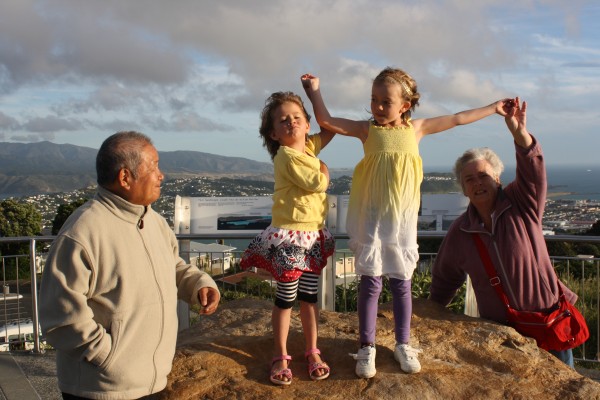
516,246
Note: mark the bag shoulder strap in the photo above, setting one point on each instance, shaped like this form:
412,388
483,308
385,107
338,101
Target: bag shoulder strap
493,275
489,268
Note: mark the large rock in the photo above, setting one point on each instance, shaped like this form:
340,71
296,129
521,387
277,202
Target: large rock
227,356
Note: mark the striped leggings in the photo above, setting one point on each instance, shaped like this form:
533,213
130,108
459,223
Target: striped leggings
305,289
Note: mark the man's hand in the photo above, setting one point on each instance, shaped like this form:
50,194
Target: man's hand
209,300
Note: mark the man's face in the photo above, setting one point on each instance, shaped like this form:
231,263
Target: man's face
145,189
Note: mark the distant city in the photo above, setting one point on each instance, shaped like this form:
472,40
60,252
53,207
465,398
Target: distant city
562,216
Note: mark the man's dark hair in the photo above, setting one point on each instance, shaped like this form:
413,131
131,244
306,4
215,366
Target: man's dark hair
121,150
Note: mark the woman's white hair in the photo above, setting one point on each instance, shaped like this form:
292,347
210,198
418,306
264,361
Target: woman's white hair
476,154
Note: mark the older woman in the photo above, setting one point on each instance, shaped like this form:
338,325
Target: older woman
509,222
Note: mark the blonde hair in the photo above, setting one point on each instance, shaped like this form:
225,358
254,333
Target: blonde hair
407,84
266,117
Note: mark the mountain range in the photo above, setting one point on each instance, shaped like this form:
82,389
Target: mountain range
45,167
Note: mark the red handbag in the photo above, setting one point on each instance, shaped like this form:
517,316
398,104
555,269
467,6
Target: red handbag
561,328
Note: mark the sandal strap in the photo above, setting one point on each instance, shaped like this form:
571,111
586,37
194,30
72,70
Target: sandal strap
316,365
283,357
311,351
312,367
283,371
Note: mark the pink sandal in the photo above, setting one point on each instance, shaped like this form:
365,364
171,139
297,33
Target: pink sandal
312,367
286,372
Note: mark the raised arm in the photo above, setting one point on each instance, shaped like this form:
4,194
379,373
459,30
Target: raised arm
516,121
347,127
428,126
326,136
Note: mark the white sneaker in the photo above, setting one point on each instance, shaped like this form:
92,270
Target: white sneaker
407,357
365,362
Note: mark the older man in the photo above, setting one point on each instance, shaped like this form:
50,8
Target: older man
509,222
113,275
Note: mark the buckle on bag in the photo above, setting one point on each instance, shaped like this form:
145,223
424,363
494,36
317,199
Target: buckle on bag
495,281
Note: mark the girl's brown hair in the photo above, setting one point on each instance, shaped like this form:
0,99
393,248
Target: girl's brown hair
266,117
407,84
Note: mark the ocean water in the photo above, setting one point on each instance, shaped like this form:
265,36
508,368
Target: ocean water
564,182
569,182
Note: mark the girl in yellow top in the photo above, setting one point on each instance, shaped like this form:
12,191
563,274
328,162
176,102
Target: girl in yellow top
295,247
384,201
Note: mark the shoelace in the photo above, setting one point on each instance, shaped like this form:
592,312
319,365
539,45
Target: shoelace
411,352
356,356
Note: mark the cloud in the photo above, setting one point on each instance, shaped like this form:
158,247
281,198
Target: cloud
94,41
582,64
186,122
267,44
200,66
50,124
117,125
7,122
32,137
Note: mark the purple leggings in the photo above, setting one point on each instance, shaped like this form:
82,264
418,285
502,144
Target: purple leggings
368,297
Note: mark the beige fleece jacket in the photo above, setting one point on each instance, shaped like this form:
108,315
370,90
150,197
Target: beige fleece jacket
108,299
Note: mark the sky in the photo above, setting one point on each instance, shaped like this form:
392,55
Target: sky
194,74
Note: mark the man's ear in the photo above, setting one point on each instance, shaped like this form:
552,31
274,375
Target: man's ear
124,178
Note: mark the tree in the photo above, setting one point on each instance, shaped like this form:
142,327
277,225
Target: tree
18,219
594,230
63,212
560,249
587,248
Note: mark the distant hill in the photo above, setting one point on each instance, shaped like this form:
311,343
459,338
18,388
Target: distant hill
45,167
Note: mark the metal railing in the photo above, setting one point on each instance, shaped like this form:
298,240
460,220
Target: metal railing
580,273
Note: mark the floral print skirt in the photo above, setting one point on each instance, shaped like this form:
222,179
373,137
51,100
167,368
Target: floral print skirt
286,253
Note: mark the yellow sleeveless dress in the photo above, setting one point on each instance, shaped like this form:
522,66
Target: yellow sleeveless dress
384,203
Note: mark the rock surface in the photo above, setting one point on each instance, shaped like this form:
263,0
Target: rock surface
227,356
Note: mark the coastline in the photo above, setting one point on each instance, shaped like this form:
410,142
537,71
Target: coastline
552,195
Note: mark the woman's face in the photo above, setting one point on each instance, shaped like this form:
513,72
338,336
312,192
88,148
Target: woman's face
479,183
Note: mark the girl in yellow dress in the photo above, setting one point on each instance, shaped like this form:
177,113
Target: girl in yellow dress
384,201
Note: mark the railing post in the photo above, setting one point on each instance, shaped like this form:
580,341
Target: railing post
326,300
183,308
598,311
34,299
332,263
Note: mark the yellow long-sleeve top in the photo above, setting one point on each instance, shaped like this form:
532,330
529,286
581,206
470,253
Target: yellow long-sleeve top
299,202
